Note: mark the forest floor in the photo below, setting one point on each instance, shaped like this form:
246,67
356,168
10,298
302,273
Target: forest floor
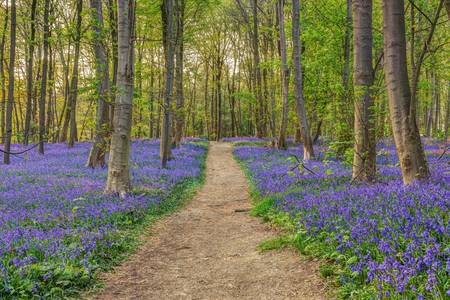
208,250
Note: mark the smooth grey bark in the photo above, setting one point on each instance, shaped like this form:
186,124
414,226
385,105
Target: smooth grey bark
10,103
402,113
118,181
308,151
281,143
100,144
169,51
364,165
30,72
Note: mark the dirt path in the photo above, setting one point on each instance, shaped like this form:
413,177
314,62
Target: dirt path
208,251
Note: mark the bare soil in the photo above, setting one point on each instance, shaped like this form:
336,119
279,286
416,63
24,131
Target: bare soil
208,250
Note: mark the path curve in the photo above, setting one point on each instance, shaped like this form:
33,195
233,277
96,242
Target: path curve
208,250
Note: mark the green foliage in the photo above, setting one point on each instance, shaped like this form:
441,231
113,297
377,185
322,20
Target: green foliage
275,243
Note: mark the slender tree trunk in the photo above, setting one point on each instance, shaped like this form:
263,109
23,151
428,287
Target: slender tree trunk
260,123
219,96
421,59
160,96
343,109
2,78
9,105
364,166
308,152
99,147
347,50
403,119
436,103
447,113
281,144
30,72
65,114
118,181
16,114
169,46
112,11
151,99
51,72
273,120
74,84
179,55
208,130
44,78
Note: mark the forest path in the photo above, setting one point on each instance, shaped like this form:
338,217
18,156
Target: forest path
208,250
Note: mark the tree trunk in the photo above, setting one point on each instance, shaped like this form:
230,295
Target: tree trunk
364,165
343,109
30,73
2,78
436,104
179,55
151,99
260,123
51,72
421,58
208,130
447,113
65,114
118,181
112,11
308,152
74,84
9,105
281,144
100,144
218,74
406,134
44,78
169,49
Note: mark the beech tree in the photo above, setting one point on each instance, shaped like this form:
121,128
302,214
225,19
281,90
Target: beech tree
401,105
2,76
9,105
364,165
30,72
281,144
118,181
169,50
308,151
100,144
179,56
222,68
42,135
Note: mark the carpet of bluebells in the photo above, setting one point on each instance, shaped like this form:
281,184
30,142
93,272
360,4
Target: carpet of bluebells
56,225
391,241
